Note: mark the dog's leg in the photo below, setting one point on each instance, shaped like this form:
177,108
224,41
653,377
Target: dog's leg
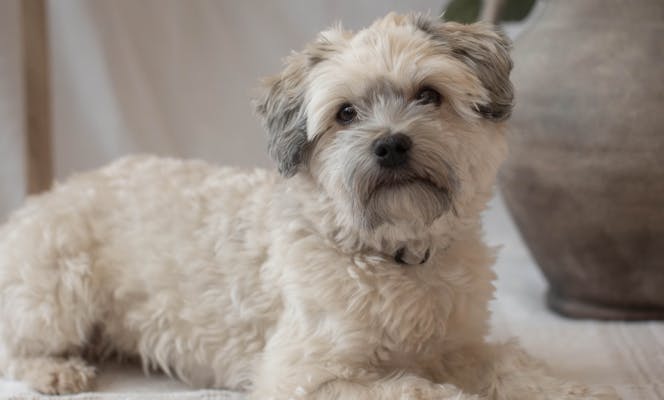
313,367
405,387
402,387
51,375
49,302
506,372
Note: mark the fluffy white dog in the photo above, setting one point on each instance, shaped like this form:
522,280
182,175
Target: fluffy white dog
359,274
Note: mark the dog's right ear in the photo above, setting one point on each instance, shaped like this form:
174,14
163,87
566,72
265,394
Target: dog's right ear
281,110
281,106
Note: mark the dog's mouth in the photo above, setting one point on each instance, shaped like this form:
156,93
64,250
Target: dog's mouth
393,182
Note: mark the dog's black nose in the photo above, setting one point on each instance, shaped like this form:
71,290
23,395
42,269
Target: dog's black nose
392,150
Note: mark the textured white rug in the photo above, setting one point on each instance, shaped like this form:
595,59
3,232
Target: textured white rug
629,356
192,395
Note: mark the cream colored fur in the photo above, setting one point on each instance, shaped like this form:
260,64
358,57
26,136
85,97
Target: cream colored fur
279,286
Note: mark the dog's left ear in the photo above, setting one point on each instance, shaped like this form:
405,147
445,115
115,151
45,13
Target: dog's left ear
281,106
485,49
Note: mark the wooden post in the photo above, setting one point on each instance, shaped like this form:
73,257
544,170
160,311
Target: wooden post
37,95
491,10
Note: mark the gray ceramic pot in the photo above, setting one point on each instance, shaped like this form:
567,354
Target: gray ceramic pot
585,178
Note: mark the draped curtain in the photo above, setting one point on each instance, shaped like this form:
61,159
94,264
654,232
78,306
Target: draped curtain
170,77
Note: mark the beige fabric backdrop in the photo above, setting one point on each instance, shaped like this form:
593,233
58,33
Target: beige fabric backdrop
161,76
12,171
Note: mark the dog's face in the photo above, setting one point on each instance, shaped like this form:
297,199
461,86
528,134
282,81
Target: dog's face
398,123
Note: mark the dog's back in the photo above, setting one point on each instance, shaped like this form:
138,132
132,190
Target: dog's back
154,255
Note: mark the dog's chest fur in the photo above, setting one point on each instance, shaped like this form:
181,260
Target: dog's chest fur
406,313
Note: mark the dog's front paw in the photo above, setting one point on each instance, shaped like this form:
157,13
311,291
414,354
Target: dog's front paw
437,392
53,376
582,392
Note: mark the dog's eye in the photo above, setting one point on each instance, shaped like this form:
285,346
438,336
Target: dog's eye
346,114
427,95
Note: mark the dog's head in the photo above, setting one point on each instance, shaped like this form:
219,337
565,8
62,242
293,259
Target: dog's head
399,122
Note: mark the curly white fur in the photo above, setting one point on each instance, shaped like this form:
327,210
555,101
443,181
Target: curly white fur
288,288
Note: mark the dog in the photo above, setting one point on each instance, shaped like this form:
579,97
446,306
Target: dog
357,272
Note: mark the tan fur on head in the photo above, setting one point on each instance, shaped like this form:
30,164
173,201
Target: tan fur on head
480,47
379,71
362,276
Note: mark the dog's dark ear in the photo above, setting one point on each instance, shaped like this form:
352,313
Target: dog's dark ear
281,105
281,110
485,49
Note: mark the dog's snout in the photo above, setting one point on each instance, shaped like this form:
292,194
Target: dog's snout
392,150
